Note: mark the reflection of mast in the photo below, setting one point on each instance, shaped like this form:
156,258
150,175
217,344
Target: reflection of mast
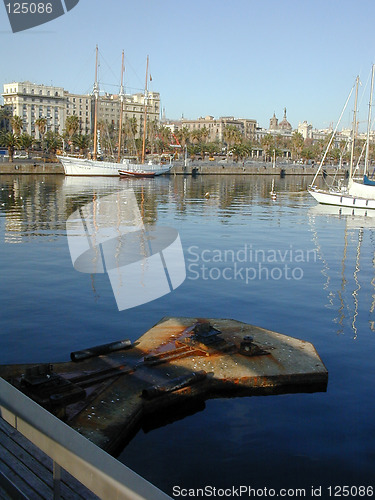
355,274
343,283
344,293
320,255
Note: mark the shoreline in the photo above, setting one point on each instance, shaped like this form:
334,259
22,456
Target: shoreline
196,168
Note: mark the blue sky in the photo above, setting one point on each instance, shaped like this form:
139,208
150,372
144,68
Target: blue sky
243,58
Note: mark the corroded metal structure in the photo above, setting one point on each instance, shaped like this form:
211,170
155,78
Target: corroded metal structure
105,392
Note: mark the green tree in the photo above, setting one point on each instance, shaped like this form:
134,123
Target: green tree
268,144
17,124
41,124
26,141
196,135
71,128
297,143
53,141
5,117
130,134
232,135
183,135
82,142
10,141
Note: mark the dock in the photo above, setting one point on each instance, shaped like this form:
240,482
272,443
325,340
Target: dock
27,473
105,392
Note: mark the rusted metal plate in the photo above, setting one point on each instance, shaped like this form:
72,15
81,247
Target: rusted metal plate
177,360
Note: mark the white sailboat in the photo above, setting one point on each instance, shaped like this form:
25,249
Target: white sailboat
94,167
355,194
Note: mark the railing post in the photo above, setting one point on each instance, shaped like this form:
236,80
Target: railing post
56,481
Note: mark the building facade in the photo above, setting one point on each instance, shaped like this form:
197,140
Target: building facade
216,126
80,105
32,101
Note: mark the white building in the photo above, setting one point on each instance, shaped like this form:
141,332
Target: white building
31,101
306,130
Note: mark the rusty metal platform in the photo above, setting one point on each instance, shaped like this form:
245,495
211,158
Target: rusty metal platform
106,396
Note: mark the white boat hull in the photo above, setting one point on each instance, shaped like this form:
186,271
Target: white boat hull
343,199
360,190
82,166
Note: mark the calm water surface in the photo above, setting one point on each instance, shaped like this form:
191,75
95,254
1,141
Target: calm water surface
310,275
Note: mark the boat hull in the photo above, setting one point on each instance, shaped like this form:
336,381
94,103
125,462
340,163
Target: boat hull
82,166
341,199
126,173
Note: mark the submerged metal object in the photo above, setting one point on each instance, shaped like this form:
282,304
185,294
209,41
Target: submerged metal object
179,361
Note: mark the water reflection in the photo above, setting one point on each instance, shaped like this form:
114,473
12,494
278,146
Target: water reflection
221,211
357,225
40,205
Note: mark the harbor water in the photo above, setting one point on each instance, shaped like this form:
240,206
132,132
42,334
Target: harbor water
284,264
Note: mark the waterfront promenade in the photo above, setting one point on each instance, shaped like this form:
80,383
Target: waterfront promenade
193,168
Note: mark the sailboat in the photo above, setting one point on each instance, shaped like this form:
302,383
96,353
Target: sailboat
355,194
90,167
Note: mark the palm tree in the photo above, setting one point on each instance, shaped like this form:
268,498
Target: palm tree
10,141
297,143
232,136
130,132
17,124
26,141
53,141
41,124
71,127
82,142
183,135
268,144
5,116
196,135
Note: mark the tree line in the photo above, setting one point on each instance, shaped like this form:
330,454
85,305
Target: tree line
161,140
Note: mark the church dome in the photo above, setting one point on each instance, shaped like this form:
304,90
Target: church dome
284,124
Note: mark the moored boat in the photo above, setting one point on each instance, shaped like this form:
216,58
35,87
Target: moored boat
354,194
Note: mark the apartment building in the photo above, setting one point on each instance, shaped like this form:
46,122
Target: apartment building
32,101
216,126
80,105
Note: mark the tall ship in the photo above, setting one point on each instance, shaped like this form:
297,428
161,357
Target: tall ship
125,168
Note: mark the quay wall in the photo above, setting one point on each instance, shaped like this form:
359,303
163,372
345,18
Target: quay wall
31,168
195,168
199,168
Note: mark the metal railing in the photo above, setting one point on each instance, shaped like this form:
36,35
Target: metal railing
105,476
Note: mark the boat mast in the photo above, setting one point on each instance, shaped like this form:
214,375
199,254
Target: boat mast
354,128
332,137
145,117
369,120
96,96
121,108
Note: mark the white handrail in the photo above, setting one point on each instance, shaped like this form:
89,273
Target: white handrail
93,467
